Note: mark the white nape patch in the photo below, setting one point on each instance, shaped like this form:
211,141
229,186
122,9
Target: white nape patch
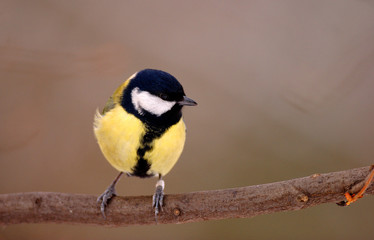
133,76
144,101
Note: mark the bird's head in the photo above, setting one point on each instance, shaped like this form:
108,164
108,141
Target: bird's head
155,97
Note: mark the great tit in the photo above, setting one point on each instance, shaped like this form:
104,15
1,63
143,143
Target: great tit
141,131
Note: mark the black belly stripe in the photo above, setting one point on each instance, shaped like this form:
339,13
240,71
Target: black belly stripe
146,144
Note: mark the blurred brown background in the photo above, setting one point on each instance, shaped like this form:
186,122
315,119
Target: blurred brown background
285,89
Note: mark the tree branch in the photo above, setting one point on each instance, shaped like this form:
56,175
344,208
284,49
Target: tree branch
243,202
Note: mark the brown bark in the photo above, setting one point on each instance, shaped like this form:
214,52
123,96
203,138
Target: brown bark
243,202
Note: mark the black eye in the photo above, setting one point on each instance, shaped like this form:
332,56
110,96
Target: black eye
163,96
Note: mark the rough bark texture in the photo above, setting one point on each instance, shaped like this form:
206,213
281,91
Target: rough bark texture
243,202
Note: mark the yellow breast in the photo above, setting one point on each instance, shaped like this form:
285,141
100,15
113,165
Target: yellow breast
167,149
119,135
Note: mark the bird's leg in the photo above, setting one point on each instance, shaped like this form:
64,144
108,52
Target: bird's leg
110,192
158,197
351,198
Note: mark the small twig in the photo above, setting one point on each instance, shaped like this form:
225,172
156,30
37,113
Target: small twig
243,202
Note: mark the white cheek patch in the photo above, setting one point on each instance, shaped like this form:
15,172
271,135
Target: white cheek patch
144,101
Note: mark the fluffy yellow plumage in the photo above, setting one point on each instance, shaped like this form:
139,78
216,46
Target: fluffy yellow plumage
118,134
119,144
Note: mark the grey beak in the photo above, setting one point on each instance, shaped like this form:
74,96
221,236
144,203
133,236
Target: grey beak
187,102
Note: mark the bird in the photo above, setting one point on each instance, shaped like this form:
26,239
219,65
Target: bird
141,131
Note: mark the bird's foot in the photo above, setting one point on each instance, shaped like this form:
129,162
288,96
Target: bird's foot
158,197
105,198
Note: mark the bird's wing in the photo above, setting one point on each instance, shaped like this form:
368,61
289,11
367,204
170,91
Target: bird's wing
116,97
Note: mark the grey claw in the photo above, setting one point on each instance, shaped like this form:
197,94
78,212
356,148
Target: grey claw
104,198
158,200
